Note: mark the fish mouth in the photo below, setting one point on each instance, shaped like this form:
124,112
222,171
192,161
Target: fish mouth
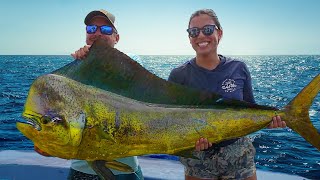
32,120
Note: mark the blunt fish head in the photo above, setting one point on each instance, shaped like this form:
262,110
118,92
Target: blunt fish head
48,117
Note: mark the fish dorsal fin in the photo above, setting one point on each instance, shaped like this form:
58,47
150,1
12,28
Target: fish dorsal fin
76,128
110,69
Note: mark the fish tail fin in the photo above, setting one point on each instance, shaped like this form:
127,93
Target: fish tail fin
297,113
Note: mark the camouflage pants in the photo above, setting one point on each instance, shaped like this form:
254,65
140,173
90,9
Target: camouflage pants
235,161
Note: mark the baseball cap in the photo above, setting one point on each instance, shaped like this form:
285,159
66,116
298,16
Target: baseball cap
110,17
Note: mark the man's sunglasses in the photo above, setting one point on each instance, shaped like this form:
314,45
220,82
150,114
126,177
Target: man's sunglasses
207,30
107,30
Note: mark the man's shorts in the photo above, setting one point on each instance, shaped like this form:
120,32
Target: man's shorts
235,161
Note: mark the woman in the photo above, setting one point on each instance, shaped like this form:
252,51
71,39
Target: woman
232,159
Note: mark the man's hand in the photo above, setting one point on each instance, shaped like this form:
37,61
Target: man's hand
277,123
81,53
203,144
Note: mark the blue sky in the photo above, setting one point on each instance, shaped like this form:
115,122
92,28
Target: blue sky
251,27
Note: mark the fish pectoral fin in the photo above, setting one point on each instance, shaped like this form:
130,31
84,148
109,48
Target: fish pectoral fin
187,153
105,135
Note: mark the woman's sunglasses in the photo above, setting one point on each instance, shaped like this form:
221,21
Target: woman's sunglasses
207,30
107,30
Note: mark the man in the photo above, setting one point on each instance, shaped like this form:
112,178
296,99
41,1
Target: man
100,25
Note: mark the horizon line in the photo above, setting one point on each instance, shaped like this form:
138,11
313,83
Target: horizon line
169,55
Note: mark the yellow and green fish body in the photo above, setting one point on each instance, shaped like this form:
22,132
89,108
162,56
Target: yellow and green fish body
108,106
93,124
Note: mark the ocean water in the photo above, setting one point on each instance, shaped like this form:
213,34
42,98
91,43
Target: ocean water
276,80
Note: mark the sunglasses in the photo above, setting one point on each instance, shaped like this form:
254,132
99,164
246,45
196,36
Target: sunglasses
207,30
106,30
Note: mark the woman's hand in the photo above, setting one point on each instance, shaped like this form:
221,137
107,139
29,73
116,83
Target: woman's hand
277,123
203,144
81,53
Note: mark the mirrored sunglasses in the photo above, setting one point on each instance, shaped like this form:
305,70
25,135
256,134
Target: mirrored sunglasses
107,30
207,30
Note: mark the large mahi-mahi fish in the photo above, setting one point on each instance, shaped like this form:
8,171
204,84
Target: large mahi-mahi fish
108,106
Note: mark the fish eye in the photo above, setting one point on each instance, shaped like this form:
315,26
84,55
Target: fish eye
45,119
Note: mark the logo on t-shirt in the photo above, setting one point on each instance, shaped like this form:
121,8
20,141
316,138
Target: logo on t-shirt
229,85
